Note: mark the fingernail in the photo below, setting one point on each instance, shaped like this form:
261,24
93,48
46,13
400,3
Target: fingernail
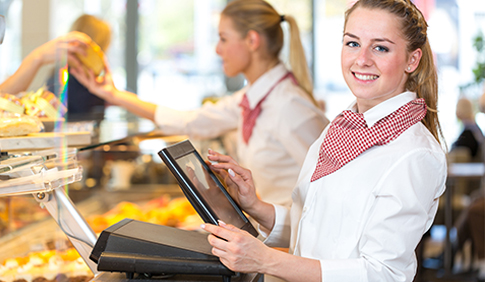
221,222
202,226
231,172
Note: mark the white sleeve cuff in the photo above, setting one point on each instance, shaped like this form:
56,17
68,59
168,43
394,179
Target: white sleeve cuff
344,270
280,234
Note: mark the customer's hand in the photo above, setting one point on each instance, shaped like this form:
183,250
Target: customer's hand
73,42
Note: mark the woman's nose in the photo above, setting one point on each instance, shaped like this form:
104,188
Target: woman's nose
218,48
364,58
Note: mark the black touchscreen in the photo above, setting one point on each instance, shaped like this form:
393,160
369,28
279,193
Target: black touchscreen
208,189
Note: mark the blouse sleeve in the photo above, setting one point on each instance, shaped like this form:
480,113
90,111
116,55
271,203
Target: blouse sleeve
403,210
209,121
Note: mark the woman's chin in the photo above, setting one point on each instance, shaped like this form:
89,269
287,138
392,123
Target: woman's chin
230,73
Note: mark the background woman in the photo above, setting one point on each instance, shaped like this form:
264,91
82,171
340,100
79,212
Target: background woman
275,114
369,187
471,137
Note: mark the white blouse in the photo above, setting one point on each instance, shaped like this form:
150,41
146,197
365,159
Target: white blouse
364,221
288,124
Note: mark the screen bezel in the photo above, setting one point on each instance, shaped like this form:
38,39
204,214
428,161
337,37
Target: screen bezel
170,155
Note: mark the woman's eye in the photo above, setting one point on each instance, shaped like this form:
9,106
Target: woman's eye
352,44
382,49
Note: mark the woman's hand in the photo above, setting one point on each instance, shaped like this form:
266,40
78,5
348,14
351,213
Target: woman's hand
239,180
237,249
102,86
241,252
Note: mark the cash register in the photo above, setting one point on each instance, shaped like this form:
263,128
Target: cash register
144,250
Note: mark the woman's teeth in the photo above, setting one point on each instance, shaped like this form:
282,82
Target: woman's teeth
366,77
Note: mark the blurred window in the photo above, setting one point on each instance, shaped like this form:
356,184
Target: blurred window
178,65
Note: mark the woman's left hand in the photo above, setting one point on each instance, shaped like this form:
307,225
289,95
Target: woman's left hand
237,249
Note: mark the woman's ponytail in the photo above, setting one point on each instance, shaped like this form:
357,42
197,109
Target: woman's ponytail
297,56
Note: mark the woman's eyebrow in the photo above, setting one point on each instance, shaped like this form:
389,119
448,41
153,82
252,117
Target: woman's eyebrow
375,39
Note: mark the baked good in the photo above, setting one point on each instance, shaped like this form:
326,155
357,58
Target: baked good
10,103
43,103
93,60
18,125
46,266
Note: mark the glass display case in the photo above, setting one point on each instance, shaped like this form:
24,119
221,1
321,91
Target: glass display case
29,249
55,202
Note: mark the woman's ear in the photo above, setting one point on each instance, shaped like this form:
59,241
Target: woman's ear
253,40
414,59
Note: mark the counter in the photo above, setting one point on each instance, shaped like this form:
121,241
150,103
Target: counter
117,277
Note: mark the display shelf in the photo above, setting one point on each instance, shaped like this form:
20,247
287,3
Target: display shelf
45,140
45,181
41,171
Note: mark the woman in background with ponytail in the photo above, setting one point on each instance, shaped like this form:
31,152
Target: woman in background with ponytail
275,114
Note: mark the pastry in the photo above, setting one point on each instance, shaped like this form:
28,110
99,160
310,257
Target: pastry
10,103
93,60
17,125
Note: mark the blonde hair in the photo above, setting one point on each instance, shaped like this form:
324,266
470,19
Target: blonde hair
260,16
97,29
423,80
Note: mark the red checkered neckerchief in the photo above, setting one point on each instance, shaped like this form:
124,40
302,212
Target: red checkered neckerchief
349,136
251,115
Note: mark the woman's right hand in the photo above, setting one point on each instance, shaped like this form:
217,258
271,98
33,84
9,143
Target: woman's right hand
238,180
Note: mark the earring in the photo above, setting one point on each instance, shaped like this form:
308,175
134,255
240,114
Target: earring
409,68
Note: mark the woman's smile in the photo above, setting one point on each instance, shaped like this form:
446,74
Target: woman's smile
365,77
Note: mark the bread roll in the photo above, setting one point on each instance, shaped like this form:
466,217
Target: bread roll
94,58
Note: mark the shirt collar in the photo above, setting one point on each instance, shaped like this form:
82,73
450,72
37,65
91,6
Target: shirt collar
385,108
263,84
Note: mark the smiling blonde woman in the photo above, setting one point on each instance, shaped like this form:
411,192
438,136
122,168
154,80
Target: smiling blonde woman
370,184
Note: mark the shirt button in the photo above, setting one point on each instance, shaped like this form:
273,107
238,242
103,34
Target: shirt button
305,209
